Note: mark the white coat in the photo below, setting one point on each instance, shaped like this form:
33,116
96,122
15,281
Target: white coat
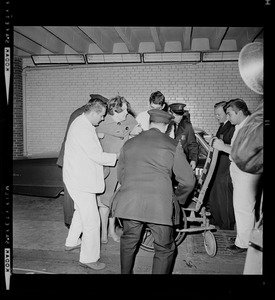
84,158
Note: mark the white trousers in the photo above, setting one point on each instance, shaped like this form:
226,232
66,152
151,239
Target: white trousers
244,198
85,219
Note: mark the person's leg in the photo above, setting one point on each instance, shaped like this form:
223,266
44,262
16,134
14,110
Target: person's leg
112,230
68,207
214,205
104,215
244,197
225,201
165,247
75,230
230,208
129,244
86,205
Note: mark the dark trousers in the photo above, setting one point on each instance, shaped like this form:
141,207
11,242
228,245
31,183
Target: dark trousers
164,246
68,207
221,202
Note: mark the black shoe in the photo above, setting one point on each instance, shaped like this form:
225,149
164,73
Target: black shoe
235,249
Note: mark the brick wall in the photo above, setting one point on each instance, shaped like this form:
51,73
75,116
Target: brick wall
17,108
52,94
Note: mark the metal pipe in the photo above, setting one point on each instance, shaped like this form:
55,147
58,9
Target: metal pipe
25,150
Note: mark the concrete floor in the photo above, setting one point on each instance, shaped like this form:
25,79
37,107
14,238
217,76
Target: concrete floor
39,235
38,248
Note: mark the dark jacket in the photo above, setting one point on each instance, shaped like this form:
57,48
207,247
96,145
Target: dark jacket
185,133
225,133
145,167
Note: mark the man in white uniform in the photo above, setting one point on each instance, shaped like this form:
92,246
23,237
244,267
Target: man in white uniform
83,176
245,185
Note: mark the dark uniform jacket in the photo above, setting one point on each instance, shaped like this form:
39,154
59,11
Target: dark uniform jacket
185,134
145,167
225,132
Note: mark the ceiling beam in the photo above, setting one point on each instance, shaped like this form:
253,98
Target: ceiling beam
70,37
27,45
156,39
21,52
128,38
187,38
42,37
97,36
248,36
217,37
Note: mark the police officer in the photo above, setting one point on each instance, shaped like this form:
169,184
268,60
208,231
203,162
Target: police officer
145,168
181,129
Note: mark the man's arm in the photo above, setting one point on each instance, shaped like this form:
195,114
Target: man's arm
221,146
90,145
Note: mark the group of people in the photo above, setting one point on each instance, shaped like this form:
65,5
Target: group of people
234,192
116,166
97,134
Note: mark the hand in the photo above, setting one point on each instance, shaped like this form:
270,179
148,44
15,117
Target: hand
136,130
100,135
208,138
193,164
218,144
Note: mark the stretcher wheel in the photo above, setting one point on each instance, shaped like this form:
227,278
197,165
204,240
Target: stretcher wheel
147,242
210,244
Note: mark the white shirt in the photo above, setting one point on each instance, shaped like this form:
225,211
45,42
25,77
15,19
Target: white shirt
84,158
143,119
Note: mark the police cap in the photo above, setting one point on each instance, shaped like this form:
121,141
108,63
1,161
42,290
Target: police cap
177,108
97,96
160,116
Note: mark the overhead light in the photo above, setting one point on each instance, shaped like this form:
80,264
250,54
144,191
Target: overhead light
58,59
220,56
171,57
99,58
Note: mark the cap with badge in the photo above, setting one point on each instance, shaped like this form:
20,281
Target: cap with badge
160,116
177,108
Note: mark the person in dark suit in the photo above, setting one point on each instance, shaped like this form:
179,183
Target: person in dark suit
145,197
68,204
180,128
221,188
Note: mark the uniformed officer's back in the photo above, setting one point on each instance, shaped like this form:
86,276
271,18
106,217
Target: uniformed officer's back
146,164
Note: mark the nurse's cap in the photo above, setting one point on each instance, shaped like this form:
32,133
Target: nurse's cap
177,108
160,116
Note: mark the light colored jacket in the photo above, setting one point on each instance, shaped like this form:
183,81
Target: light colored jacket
84,158
143,119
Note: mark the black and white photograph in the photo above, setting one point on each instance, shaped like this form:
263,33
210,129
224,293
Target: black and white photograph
132,149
